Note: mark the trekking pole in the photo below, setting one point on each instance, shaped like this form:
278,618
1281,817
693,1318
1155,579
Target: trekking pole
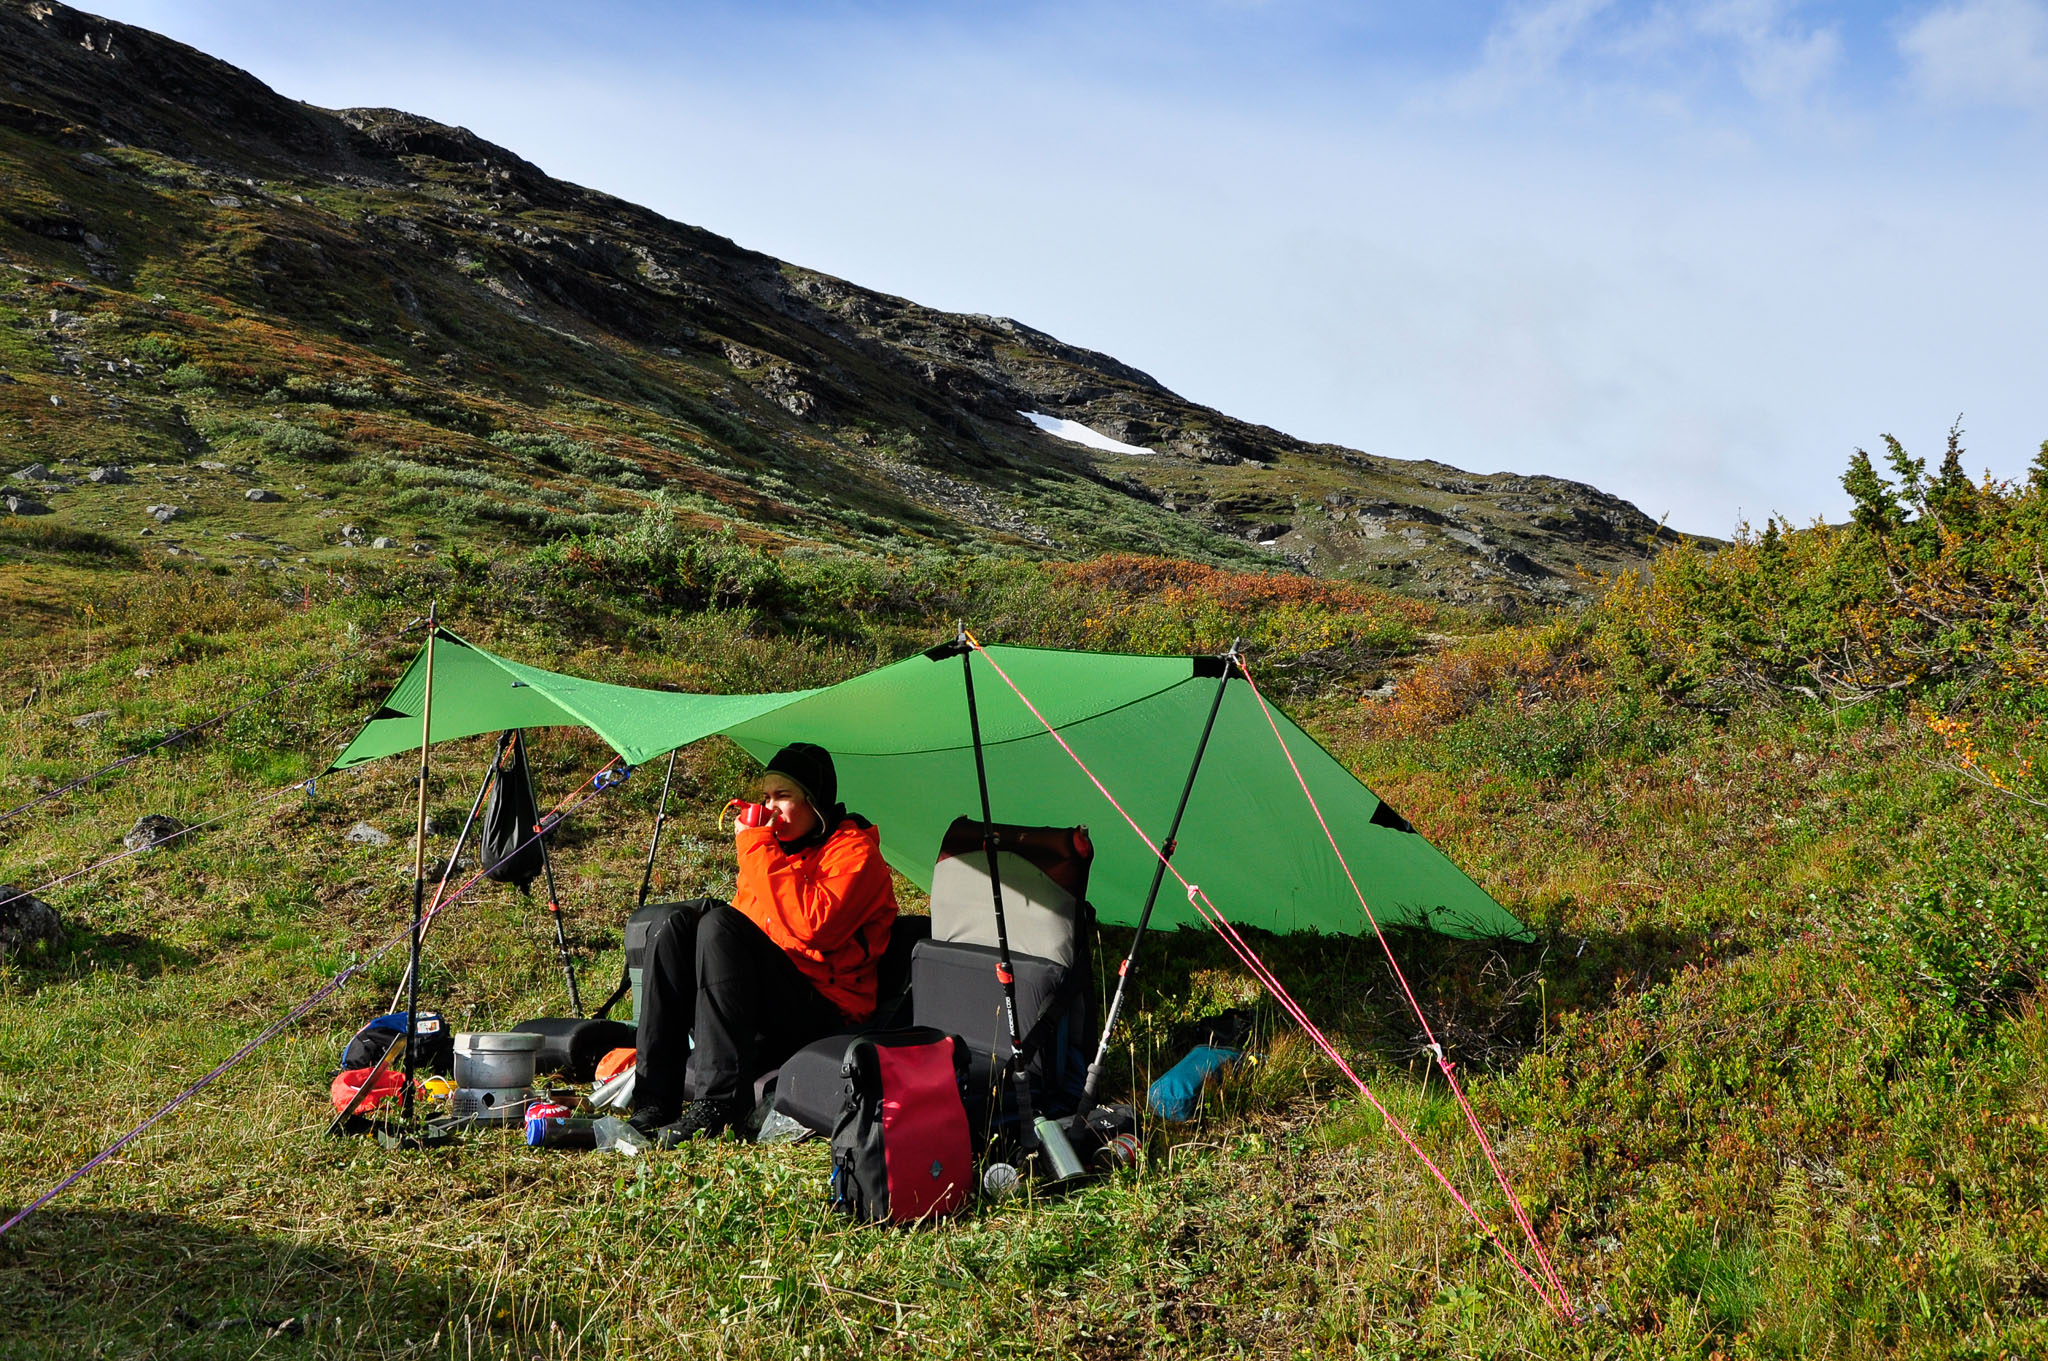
482,791
547,865
654,844
419,864
604,1008
1228,664
1004,974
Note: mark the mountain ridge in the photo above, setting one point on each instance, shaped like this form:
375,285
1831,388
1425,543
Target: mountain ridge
421,286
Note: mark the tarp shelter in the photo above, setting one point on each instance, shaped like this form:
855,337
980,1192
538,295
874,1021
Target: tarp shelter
900,738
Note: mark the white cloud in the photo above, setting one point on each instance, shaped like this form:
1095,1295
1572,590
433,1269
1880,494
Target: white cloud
1778,64
1991,52
1525,49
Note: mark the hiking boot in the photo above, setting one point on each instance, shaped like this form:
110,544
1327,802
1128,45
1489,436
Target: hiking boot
648,1119
700,1119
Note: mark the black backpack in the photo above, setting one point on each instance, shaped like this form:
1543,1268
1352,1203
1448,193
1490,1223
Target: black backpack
900,1149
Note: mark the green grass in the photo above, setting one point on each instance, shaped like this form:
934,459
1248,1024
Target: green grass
1732,1089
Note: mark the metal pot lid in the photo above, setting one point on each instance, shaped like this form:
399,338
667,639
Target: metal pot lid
496,1042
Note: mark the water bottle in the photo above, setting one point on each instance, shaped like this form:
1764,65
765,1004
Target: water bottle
1059,1153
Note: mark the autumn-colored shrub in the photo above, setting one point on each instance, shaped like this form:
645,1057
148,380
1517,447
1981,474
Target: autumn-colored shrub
1171,580
1521,668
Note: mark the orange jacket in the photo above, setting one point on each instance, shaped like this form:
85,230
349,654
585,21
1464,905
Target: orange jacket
829,907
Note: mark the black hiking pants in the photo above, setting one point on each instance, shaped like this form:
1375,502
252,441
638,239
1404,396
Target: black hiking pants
714,974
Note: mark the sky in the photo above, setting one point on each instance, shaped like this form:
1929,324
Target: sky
1694,252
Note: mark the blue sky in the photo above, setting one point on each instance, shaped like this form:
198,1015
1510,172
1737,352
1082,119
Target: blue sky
1693,253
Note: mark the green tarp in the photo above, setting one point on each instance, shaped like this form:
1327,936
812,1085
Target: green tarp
901,740
478,692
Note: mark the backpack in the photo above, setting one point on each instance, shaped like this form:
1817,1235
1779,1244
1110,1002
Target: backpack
900,1148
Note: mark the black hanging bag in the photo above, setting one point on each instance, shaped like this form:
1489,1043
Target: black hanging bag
509,821
900,1149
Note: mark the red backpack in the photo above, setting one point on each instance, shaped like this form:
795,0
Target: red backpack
900,1148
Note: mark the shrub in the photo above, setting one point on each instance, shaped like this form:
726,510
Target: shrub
671,565
298,441
159,349
1516,670
1970,929
563,454
1934,590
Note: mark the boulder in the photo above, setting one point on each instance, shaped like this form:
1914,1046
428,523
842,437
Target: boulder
93,719
212,466
365,835
24,505
258,494
34,472
163,514
109,477
152,830
382,541
26,921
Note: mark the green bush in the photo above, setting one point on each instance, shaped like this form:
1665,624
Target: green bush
298,441
1969,929
160,350
671,565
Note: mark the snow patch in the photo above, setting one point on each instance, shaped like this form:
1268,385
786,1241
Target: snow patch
1078,433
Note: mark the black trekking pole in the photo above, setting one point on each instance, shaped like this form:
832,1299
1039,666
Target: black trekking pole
547,865
1227,664
654,843
482,791
1004,973
604,1008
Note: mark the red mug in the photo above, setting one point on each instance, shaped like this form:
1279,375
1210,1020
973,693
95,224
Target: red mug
750,814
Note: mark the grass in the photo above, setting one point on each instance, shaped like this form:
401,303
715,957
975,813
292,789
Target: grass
1745,1120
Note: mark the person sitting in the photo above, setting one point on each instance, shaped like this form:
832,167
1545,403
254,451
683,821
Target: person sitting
794,956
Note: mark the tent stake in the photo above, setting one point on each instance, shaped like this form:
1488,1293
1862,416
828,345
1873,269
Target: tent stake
1005,975
419,864
1166,849
547,864
482,791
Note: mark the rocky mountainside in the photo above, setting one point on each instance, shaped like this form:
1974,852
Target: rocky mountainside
402,334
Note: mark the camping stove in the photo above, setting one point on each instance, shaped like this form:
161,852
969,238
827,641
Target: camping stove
489,1103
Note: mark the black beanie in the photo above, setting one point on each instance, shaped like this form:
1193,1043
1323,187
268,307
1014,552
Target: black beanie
810,765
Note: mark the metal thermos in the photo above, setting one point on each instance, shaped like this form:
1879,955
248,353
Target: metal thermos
1059,1153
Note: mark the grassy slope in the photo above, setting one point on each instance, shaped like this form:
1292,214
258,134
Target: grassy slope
1742,1124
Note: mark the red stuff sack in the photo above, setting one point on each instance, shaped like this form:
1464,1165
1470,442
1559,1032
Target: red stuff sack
389,1083
900,1148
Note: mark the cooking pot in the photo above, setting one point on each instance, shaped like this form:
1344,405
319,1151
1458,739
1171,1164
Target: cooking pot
495,1059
